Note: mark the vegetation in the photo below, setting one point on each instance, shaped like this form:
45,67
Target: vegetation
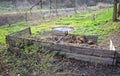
30,59
91,23
33,61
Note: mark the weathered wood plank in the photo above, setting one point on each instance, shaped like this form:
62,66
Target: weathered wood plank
86,51
24,32
89,58
78,57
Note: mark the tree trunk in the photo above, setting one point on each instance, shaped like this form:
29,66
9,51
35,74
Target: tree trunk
75,6
115,10
56,7
41,3
50,8
119,9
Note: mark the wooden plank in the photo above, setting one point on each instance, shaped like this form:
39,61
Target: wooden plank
78,57
24,32
89,58
85,51
93,52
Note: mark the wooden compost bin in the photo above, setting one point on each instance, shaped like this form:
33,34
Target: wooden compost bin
21,38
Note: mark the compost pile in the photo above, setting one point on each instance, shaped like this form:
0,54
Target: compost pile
76,39
80,41
72,40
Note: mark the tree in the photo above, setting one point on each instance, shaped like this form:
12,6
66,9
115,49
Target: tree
119,9
73,2
50,7
115,10
56,7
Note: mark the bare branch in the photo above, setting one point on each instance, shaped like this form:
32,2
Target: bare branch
40,2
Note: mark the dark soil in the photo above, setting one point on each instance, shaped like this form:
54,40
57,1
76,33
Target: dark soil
71,67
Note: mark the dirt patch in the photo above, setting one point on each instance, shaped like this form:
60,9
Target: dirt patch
71,67
116,39
114,36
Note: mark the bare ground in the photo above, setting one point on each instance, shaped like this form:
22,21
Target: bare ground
71,67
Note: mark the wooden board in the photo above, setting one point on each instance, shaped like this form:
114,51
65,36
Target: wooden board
89,58
24,32
85,51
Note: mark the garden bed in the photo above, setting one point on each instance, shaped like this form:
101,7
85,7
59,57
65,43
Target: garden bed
85,49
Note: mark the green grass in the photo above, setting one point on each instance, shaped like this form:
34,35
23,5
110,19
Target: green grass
83,24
